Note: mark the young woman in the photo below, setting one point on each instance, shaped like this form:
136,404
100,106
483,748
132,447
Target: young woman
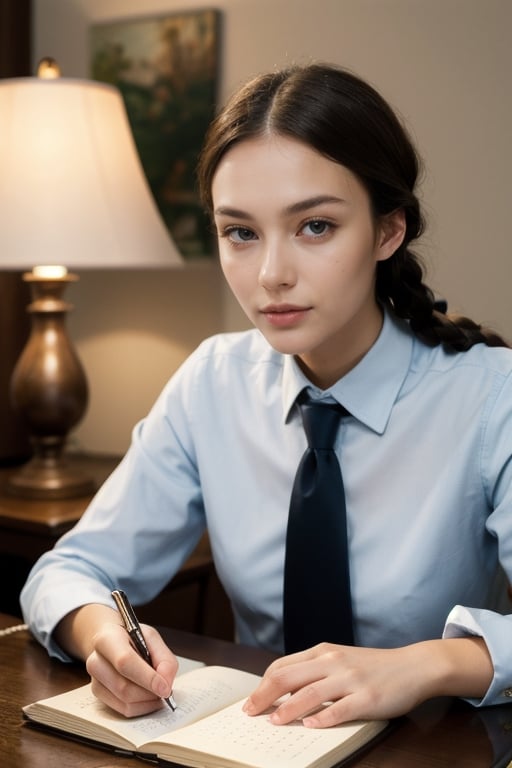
310,179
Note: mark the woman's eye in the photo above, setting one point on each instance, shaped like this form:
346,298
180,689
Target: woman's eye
240,234
316,228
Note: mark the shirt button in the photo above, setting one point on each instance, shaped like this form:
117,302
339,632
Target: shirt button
508,693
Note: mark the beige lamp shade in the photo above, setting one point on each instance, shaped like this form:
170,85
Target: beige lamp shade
73,195
72,188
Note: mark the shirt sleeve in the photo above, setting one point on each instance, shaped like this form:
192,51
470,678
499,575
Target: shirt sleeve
496,472
139,528
496,630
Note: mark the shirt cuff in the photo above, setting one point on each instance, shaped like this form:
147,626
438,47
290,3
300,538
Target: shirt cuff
496,630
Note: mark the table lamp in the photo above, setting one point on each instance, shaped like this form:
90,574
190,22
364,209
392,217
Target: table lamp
73,195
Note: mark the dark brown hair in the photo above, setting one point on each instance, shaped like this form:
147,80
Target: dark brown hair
346,120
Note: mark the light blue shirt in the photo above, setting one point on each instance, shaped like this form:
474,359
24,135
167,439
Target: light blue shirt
426,459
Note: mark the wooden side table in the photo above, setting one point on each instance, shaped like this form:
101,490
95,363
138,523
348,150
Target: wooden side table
193,601
29,527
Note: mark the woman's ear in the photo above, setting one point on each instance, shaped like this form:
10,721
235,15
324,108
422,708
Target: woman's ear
390,234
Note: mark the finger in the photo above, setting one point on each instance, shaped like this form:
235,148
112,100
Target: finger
305,701
284,678
113,644
349,708
329,701
320,652
163,659
106,675
296,658
125,706
293,673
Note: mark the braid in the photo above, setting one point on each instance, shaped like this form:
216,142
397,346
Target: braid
400,286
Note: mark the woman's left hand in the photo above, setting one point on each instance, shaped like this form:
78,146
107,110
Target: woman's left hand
337,684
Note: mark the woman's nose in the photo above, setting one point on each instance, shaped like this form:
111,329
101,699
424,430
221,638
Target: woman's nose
277,267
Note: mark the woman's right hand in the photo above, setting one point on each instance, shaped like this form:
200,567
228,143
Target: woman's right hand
120,678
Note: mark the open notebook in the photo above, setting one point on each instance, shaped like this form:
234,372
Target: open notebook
207,729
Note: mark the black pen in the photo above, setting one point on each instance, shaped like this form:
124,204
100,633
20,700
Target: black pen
132,626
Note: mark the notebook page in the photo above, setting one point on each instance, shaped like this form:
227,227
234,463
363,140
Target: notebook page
231,735
197,694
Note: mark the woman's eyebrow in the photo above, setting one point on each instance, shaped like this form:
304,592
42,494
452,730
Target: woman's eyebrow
298,207
237,213
313,202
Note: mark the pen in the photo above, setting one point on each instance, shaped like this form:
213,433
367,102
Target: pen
132,626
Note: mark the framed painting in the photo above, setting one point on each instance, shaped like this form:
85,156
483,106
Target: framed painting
167,70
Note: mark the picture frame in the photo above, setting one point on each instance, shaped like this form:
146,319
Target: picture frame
167,70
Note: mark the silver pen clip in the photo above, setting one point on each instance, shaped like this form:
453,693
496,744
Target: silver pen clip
125,609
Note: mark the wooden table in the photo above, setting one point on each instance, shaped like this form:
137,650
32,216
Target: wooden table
440,734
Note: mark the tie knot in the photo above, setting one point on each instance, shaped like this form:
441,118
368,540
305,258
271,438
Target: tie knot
321,422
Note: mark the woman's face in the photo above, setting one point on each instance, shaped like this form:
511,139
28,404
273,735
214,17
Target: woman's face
299,246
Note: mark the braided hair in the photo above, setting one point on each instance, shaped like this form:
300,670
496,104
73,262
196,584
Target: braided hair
346,120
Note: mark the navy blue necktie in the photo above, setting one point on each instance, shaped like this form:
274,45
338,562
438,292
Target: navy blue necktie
317,605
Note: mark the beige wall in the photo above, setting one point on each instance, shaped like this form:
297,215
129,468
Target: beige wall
444,64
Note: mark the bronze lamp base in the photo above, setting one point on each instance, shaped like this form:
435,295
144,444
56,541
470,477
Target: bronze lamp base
49,389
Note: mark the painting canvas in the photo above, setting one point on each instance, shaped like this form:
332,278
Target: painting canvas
166,68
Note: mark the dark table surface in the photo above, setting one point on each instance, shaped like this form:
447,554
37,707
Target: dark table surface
440,734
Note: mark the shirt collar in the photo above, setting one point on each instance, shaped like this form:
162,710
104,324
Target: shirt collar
371,388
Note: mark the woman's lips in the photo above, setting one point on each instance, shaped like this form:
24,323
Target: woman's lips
285,315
